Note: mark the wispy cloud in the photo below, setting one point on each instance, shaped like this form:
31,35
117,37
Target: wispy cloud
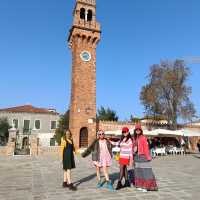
192,59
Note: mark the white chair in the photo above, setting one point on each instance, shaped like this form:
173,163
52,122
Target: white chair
176,151
160,151
180,151
172,151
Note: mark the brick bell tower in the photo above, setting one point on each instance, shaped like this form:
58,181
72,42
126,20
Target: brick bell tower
83,39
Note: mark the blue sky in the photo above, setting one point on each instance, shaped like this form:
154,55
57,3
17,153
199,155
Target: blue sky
35,62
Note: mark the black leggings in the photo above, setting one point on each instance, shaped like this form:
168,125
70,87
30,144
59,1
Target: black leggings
123,172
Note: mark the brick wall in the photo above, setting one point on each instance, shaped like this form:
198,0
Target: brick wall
112,125
194,140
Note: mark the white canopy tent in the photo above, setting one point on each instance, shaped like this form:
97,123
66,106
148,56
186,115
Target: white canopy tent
160,132
119,132
168,133
190,133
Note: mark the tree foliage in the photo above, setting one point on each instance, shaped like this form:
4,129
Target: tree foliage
4,127
134,119
167,94
106,114
62,126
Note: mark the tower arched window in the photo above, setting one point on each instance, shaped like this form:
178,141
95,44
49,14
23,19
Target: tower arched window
89,15
82,13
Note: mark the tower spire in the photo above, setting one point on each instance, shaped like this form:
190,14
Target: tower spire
84,21
90,2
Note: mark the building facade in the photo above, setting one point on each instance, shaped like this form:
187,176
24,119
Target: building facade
29,120
83,39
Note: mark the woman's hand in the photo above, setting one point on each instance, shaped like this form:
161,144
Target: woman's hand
109,139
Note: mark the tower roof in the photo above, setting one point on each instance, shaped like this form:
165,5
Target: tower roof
90,2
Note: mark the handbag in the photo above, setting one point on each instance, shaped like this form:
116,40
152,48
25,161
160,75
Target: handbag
117,157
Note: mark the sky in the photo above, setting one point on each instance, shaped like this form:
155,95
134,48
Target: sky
35,61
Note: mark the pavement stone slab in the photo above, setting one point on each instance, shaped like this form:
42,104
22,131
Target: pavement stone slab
40,178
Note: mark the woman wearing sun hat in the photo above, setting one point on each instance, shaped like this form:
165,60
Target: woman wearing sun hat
125,157
101,150
144,176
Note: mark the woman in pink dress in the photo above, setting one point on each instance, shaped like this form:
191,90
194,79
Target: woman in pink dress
101,150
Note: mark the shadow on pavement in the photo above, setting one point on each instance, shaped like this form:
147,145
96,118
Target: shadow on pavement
196,156
113,177
86,179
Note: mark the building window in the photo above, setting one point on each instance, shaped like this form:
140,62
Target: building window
89,15
82,13
53,124
52,142
16,123
26,126
37,124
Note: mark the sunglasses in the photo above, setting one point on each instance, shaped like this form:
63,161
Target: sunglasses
101,134
124,132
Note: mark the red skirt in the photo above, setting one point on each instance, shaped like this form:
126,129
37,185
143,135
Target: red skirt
123,161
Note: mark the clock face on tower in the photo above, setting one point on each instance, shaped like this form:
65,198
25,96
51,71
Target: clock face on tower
85,56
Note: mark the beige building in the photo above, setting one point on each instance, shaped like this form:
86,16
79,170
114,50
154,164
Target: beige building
28,120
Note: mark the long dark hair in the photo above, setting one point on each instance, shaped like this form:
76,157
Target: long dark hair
69,132
127,137
136,135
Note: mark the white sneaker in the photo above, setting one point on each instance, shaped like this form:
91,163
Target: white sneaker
144,190
140,189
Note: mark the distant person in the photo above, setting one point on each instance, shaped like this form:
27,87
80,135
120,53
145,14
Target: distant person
67,155
183,144
144,176
101,150
158,143
152,148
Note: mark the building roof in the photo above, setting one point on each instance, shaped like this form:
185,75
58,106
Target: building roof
29,109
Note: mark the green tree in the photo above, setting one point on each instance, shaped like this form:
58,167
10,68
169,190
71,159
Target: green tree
106,114
4,127
62,126
155,117
134,119
167,94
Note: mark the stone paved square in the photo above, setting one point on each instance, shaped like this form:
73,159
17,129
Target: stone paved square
40,178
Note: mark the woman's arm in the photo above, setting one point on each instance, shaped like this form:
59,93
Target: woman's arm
130,148
146,149
89,149
113,143
74,149
62,146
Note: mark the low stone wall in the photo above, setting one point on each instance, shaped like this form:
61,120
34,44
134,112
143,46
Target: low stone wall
11,148
34,145
7,150
46,151
3,151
